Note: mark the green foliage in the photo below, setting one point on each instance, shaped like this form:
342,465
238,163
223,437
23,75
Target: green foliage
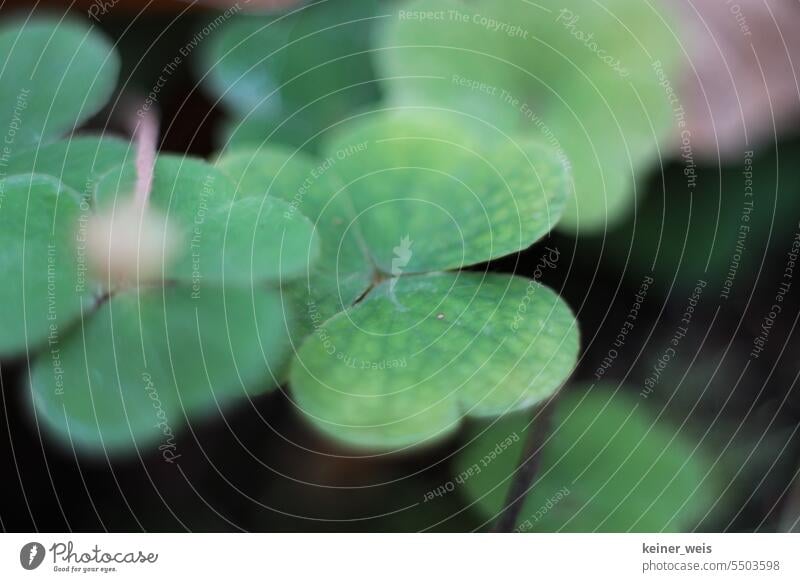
577,74
272,253
415,194
419,353
289,77
484,196
608,465
149,359
77,162
222,238
55,75
39,261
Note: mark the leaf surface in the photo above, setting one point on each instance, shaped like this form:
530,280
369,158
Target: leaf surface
146,361
54,76
221,237
430,192
405,365
582,76
608,466
44,273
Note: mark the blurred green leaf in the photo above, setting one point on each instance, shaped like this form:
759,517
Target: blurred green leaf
77,162
585,77
44,286
289,77
147,360
222,238
311,187
55,75
608,466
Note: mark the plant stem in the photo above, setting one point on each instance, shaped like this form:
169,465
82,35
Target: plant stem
528,467
145,133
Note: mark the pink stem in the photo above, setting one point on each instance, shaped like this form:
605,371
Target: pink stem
145,134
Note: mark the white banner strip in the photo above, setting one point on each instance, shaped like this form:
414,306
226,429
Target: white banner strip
401,557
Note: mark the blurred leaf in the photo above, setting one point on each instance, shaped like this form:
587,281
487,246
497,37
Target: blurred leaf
56,74
607,466
582,76
250,242
148,360
43,291
288,77
77,161
223,238
404,366
183,187
309,186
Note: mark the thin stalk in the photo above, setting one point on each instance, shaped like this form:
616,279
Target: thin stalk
145,134
525,475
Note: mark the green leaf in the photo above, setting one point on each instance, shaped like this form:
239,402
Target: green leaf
455,196
55,75
288,77
582,76
147,361
404,366
310,187
252,241
44,277
608,466
222,237
185,188
77,162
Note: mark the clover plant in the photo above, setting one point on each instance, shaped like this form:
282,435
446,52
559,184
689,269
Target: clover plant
120,363
608,465
148,290
400,346
579,76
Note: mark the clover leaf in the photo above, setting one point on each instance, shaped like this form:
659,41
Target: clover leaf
43,282
77,162
56,74
608,465
122,354
682,234
342,274
399,197
578,75
429,169
223,238
125,367
420,352
288,77
150,360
